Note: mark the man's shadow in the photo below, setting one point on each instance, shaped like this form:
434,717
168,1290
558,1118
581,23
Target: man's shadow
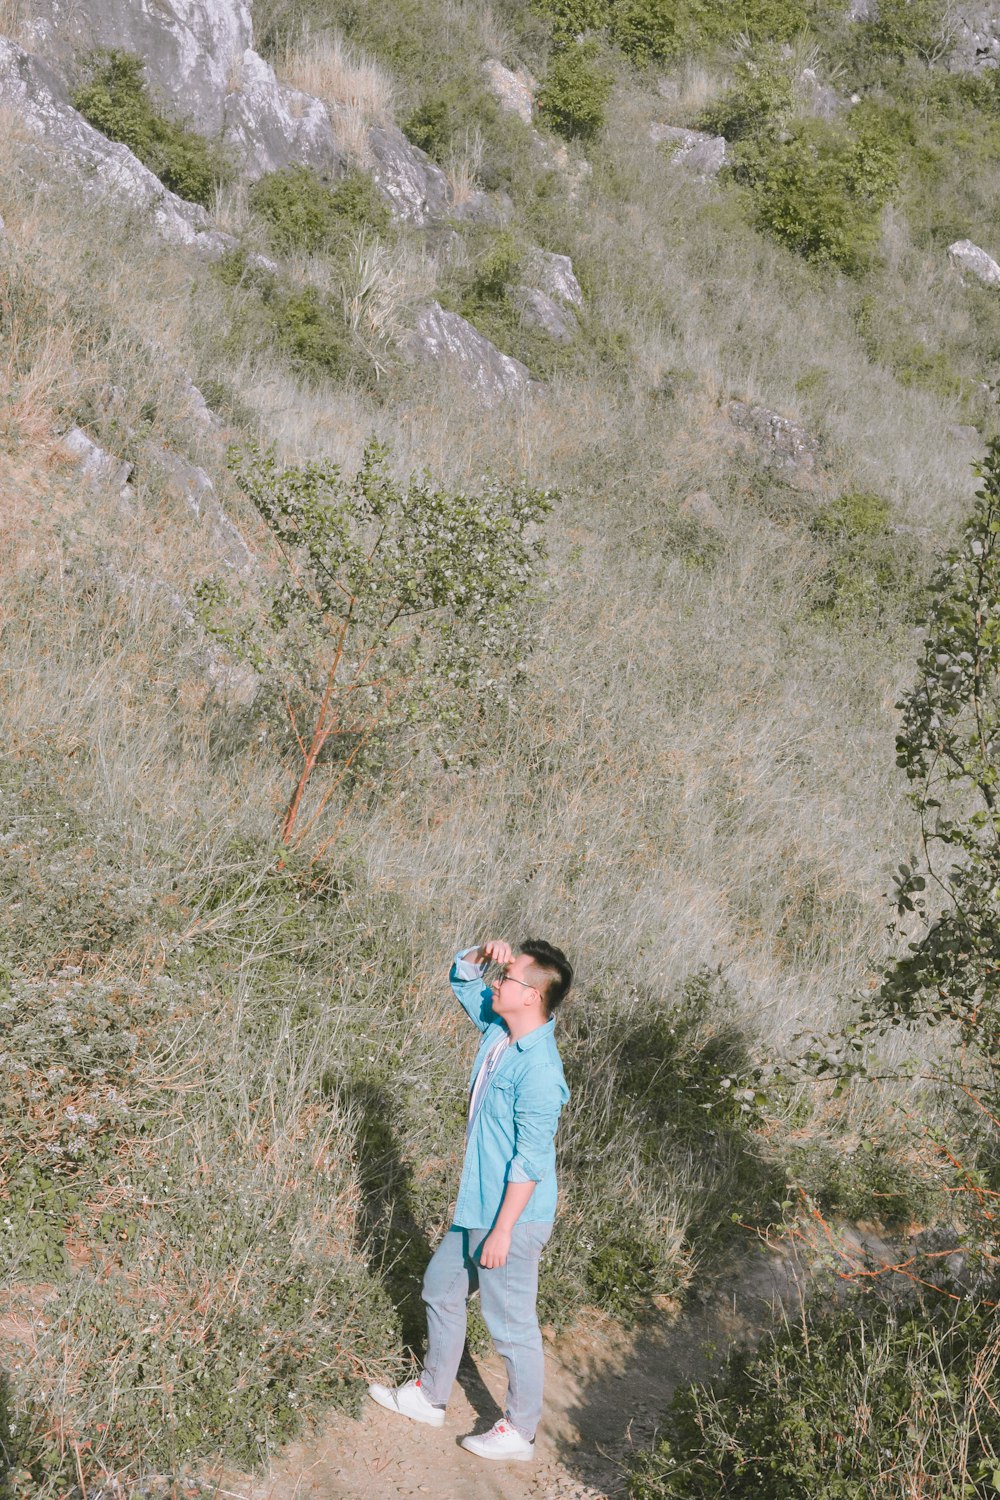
394,1242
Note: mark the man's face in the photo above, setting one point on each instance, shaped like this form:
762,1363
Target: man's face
517,987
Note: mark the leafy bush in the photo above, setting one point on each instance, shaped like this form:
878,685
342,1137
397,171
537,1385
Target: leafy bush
872,570
758,104
115,101
854,1402
304,213
647,31
574,97
820,190
305,324
876,1183
463,114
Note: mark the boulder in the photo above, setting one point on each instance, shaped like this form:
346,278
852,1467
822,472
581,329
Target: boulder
553,275
415,189
268,127
784,443
446,337
99,468
696,150
33,93
549,295
540,311
862,10
970,260
199,60
190,484
975,38
513,91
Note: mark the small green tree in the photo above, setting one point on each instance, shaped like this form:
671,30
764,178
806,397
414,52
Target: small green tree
574,97
390,604
949,747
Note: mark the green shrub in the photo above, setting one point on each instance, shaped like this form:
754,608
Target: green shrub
449,119
872,571
819,191
758,104
574,98
854,1402
877,1183
647,31
304,213
115,101
719,21
305,324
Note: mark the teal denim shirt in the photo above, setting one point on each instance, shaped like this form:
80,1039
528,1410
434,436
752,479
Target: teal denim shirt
513,1135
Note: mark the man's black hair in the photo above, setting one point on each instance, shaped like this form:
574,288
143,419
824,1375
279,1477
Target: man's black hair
556,966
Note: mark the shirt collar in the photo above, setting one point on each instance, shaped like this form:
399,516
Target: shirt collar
535,1036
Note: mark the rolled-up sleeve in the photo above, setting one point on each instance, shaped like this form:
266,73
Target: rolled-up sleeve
475,997
537,1106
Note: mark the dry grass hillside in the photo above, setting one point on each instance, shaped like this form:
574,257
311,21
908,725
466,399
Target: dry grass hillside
234,1083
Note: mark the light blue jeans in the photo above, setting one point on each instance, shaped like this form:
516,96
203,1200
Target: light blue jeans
507,1295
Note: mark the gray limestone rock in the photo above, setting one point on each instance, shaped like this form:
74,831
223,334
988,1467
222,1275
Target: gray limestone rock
975,38
415,189
33,93
190,484
199,60
540,311
98,467
446,337
970,260
696,150
553,275
513,91
784,443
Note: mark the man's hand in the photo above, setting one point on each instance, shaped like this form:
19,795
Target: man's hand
495,1248
496,949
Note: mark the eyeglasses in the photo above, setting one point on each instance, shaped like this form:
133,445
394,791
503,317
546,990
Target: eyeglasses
502,977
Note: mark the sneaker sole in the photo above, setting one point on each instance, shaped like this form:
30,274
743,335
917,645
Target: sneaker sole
385,1398
502,1458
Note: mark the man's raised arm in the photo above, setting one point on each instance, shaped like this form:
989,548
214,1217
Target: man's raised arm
475,997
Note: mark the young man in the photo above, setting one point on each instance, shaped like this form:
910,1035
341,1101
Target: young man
507,1195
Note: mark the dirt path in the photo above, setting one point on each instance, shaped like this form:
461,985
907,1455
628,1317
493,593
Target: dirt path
604,1391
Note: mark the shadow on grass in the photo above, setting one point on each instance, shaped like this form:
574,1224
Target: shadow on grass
397,1247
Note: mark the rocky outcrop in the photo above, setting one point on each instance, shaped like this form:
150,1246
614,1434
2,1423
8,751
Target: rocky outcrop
190,484
99,468
975,39
970,260
553,274
544,314
416,190
447,338
512,91
697,151
199,60
782,442
33,93
549,295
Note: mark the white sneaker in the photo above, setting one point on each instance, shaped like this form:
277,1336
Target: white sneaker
409,1401
502,1442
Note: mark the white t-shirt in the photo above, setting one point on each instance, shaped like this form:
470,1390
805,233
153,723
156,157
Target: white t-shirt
490,1063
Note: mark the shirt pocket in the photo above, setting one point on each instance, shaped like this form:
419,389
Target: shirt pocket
499,1101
